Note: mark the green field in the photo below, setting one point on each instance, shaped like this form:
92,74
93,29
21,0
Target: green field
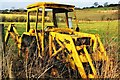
102,21
107,29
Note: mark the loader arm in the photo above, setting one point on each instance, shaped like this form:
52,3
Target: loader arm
75,57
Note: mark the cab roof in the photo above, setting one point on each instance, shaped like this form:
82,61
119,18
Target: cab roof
51,5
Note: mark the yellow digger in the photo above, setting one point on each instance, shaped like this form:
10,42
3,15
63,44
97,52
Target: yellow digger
59,41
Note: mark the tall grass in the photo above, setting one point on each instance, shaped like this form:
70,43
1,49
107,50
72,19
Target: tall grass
15,66
35,67
111,68
111,44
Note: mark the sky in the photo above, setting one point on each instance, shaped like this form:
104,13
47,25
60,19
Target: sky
9,4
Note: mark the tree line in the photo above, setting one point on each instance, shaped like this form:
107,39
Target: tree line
97,5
